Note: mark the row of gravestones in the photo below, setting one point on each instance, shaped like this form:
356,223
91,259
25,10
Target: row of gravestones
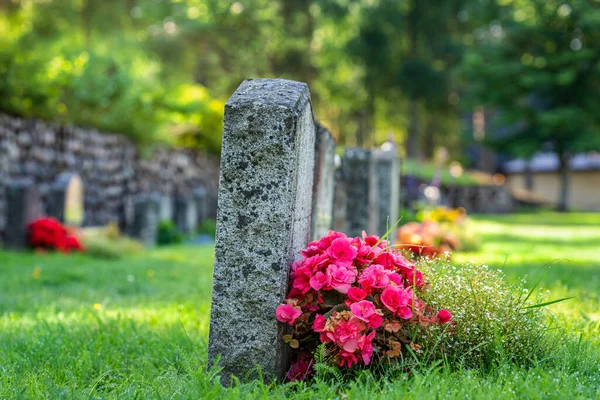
149,209
278,190
475,198
65,203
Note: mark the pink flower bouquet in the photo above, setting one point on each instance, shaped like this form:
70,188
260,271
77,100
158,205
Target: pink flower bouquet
357,296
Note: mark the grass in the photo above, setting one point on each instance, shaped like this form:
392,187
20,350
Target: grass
76,327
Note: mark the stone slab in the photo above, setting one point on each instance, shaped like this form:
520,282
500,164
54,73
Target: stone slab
386,196
263,221
23,206
324,183
357,168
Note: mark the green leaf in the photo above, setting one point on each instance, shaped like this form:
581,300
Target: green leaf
549,302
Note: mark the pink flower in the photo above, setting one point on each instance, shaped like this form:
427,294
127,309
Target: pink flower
318,281
414,277
302,278
326,241
444,316
397,300
319,323
365,344
287,313
317,262
366,312
311,250
395,277
347,333
370,240
341,251
348,359
365,255
340,278
300,369
373,277
356,294
385,259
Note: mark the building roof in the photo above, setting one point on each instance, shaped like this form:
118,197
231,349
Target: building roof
548,162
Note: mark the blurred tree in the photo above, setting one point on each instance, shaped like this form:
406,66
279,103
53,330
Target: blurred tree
538,65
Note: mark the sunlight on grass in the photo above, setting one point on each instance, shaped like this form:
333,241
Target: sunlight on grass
137,327
567,254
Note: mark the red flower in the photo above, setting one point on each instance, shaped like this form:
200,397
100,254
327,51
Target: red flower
444,316
49,233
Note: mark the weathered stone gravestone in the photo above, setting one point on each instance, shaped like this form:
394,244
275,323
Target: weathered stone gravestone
339,202
357,169
166,208
386,190
23,206
263,221
186,218
324,183
146,209
65,199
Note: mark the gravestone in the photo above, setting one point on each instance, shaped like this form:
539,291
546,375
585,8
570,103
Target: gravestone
339,202
386,190
357,168
166,208
146,209
324,183
23,206
200,196
186,218
65,199
263,221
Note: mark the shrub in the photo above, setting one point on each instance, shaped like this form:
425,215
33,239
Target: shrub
168,233
495,321
208,227
356,303
108,243
356,298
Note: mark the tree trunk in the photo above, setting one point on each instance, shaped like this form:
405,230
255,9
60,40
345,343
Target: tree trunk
565,181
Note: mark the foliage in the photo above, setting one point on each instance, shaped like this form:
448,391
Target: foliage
208,226
495,321
454,222
108,243
427,239
540,73
427,172
356,298
153,308
81,74
168,233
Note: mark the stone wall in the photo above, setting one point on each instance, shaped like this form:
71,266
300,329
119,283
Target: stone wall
111,167
490,199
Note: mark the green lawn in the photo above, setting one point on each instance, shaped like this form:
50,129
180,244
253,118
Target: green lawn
75,327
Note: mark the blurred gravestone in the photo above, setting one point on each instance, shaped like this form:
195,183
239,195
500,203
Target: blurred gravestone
386,190
358,174
339,203
186,218
23,206
65,199
324,183
146,209
166,208
201,204
263,221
